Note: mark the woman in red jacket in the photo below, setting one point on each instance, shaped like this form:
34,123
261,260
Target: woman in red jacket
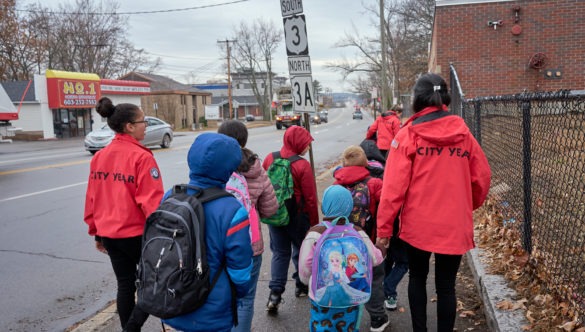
436,175
124,188
385,128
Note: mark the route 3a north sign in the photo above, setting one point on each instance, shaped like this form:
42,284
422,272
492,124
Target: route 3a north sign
295,35
302,93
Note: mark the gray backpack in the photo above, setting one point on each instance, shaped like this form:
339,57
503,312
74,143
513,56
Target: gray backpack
173,274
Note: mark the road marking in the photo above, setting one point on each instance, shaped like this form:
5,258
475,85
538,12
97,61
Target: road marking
40,158
15,171
42,191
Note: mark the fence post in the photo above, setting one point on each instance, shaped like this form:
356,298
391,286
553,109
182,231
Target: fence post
527,174
478,121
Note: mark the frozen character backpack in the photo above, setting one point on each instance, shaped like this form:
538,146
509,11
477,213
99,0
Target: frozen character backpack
342,267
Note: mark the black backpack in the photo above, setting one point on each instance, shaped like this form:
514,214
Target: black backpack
173,275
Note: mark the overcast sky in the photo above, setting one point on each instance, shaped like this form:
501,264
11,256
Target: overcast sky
187,40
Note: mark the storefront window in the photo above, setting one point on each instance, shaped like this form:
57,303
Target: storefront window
71,122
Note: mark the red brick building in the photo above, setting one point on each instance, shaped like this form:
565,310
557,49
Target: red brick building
505,47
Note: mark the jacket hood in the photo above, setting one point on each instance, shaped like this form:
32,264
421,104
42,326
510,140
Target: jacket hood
372,151
254,171
295,140
212,158
444,131
350,174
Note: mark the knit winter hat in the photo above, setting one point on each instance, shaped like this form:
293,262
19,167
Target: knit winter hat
337,202
354,155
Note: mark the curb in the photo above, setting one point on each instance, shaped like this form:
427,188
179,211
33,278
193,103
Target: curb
99,320
492,289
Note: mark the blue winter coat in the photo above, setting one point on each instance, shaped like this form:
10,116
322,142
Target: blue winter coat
212,159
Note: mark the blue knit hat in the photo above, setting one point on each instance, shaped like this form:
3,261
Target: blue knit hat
337,202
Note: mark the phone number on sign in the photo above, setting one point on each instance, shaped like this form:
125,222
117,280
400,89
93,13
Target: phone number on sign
77,102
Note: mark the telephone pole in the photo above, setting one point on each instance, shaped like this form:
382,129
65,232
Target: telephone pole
384,87
227,42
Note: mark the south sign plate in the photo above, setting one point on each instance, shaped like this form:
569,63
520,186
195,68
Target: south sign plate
291,7
302,93
295,35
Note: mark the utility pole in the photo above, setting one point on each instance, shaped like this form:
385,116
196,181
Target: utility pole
227,42
383,90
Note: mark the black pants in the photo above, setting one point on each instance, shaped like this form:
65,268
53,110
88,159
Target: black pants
124,255
446,267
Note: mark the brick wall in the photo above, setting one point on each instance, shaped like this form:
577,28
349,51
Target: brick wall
495,61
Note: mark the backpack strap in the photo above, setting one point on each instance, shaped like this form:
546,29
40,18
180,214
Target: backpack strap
291,159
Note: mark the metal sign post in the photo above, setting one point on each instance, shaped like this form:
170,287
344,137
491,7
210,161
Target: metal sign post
299,62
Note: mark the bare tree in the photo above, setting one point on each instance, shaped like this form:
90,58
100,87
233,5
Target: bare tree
408,26
252,55
86,36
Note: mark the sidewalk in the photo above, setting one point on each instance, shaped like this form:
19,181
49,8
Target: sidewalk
294,312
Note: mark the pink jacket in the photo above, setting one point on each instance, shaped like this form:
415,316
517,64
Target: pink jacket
262,197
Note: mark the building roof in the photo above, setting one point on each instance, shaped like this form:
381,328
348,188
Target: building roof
159,83
241,100
15,90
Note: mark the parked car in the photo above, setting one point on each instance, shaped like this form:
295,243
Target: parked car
287,119
250,117
358,115
158,132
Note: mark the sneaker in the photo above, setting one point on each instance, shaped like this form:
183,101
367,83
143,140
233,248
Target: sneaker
378,324
274,301
390,303
301,291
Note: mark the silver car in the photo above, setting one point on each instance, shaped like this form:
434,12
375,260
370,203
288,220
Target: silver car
158,132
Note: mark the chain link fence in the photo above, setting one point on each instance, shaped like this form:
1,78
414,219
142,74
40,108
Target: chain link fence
535,144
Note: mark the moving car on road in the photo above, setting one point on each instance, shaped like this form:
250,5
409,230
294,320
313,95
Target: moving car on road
158,132
287,119
357,114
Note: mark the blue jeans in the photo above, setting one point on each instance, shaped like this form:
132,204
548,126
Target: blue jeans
285,243
246,304
395,265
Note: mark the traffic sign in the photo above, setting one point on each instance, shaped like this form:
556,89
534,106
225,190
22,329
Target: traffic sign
295,35
302,92
291,7
299,65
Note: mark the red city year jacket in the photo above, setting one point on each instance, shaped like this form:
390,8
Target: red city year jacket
123,189
386,126
438,174
351,174
295,140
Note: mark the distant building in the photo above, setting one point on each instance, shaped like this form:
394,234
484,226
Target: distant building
244,101
176,103
61,104
503,47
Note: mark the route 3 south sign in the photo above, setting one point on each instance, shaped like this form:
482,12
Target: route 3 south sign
295,35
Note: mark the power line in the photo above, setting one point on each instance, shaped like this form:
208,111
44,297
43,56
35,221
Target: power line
134,13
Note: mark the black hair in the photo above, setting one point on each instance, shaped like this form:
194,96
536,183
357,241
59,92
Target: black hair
430,90
118,116
248,159
235,129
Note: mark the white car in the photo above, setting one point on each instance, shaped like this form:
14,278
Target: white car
158,132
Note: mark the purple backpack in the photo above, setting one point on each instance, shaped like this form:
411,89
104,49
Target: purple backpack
342,267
